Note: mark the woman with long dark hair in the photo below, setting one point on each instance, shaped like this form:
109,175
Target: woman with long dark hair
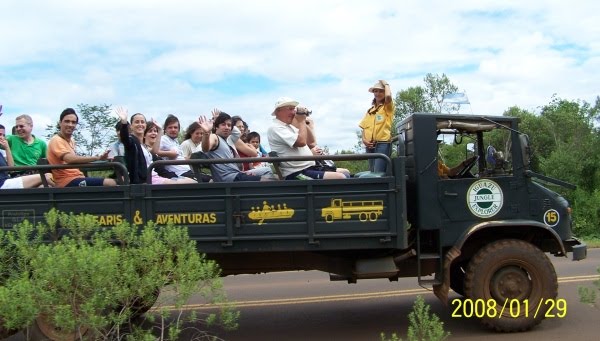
138,151
192,140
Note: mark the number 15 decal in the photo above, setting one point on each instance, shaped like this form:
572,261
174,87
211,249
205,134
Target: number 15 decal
551,217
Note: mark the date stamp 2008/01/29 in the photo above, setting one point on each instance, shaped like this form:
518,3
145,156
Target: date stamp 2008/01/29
511,308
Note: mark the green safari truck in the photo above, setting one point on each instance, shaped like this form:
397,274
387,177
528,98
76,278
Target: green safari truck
485,232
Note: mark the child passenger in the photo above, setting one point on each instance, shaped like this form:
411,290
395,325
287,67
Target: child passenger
253,139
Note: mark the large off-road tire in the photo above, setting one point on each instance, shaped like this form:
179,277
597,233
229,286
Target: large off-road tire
509,270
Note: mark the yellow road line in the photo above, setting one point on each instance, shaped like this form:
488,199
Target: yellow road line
336,298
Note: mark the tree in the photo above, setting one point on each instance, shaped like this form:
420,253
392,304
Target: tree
564,139
413,99
437,87
95,130
427,98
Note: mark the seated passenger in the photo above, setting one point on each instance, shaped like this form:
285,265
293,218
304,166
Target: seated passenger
242,125
241,145
3,135
170,149
253,140
289,136
219,145
138,156
237,121
117,148
25,181
25,146
192,140
61,151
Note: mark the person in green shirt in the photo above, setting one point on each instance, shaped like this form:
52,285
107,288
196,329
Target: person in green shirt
26,148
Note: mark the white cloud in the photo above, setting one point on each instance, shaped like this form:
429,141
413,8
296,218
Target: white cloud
186,57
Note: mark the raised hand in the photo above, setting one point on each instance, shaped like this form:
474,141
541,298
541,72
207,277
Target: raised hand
215,113
122,113
155,123
205,124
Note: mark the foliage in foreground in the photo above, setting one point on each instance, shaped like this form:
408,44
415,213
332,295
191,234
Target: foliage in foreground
589,295
423,326
97,282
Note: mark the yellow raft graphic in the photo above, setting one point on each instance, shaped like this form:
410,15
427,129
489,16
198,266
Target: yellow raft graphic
269,212
363,209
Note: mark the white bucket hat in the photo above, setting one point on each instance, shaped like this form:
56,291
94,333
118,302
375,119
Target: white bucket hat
284,102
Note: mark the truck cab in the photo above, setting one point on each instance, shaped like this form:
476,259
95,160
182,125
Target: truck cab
496,189
489,208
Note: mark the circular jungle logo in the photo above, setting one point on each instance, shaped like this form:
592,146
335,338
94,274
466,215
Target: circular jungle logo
484,198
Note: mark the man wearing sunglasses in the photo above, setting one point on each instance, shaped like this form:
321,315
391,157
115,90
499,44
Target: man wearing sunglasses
26,148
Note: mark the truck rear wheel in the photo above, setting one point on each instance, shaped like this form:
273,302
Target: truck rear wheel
517,276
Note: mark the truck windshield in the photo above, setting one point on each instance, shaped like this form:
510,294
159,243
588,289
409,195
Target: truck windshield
485,144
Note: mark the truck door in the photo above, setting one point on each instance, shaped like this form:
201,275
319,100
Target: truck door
490,190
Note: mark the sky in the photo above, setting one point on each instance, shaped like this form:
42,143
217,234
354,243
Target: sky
188,57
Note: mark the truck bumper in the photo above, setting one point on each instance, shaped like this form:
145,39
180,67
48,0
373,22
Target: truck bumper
578,247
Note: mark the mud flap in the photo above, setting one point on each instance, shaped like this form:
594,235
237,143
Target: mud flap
441,290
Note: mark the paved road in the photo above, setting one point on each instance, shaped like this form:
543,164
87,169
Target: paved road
306,305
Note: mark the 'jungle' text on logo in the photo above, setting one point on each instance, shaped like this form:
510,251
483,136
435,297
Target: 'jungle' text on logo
484,198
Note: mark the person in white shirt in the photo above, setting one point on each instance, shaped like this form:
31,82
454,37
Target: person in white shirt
290,136
192,140
170,149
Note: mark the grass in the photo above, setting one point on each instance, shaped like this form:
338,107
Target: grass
592,242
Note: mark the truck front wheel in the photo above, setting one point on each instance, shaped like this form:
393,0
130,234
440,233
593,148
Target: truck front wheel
514,277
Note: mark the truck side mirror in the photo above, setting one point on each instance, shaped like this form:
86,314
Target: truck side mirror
400,147
471,148
525,150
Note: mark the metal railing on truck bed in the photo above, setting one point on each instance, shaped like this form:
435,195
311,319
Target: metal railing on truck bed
237,217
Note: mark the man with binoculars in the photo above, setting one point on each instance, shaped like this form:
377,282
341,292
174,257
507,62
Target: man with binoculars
289,135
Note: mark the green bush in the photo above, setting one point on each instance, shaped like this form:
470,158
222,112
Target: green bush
77,277
586,213
354,167
423,326
589,295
